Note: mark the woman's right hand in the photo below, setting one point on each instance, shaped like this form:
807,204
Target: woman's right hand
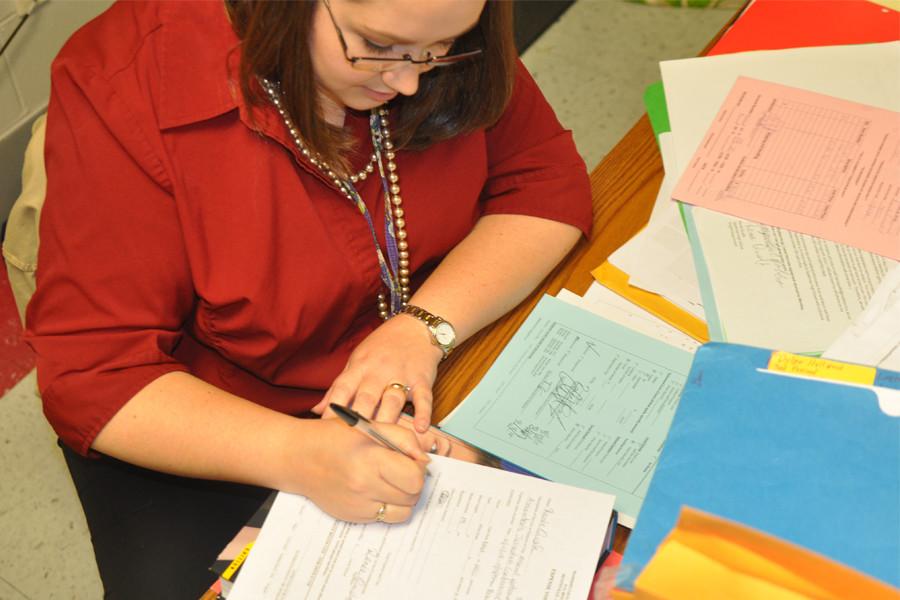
349,475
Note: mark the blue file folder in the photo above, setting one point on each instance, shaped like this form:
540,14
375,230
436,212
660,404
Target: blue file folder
813,461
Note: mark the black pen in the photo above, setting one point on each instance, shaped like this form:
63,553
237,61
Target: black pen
357,421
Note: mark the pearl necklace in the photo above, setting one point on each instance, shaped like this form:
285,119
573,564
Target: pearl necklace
398,280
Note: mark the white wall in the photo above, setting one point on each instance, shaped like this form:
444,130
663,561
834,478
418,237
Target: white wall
25,76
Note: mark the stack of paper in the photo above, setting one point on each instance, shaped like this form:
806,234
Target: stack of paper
653,271
791,160
753,129
761,283
795,177
766,283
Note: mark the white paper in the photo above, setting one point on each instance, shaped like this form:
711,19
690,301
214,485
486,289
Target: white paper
670,166
874,336
774,288
658,259
476,532
609,305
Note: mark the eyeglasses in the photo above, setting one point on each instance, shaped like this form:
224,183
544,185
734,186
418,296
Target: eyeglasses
382,64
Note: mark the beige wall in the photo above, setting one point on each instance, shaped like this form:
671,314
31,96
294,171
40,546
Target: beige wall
25,75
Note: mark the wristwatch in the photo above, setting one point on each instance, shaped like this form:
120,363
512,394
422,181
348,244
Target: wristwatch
443,335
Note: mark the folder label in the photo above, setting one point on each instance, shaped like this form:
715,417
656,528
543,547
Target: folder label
237,562
794,364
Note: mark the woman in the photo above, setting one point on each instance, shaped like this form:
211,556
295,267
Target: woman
254,204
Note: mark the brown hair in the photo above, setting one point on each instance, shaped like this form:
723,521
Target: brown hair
450,101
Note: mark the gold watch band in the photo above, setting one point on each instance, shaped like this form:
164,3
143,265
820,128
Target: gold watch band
422,314
443,335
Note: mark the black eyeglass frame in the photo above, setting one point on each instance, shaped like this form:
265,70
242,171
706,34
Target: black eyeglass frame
431,61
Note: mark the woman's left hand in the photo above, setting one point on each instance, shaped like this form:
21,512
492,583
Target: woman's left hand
399,352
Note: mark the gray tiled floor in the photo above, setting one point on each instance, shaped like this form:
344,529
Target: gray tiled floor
595,62
593,66
46,550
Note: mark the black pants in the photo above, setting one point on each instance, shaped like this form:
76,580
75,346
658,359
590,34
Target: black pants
155,536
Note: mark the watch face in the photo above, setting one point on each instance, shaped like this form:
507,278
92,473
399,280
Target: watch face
444,334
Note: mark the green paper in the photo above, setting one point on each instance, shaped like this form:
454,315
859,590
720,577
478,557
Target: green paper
655,101
658,112
577,399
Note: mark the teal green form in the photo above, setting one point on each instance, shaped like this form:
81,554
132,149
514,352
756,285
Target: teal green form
578,399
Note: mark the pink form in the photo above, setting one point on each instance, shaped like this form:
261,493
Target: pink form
802,161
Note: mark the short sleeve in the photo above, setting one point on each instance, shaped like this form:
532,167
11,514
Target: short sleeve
533,165
113,281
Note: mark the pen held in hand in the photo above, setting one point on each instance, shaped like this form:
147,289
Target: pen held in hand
357,421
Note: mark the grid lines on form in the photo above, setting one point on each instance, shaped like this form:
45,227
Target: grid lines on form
799,153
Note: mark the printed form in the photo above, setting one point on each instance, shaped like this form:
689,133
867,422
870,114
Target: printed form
775,288
802,161
578,399
477,532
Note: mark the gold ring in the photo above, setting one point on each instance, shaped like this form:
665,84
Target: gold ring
397,386
379,516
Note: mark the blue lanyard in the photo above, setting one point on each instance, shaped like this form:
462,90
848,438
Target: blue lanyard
389,268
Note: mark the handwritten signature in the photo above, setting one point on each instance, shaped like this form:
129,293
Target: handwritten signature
766,250
565,398
543,530
359,581
530,432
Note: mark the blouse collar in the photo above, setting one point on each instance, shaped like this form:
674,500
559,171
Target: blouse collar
199,63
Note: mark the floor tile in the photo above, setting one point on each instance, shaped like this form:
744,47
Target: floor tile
10,592
26,441
595,62
47,551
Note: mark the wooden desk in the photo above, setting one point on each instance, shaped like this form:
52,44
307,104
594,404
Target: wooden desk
623,187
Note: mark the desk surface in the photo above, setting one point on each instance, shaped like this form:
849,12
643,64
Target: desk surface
623,187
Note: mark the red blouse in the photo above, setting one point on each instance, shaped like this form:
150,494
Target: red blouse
176,237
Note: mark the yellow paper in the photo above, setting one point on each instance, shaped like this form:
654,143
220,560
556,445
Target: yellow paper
617,280
794,364
709,557
892,4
